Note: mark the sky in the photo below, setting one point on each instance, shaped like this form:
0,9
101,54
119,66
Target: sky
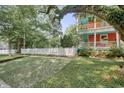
67,20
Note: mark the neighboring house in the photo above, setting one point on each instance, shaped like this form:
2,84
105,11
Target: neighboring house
96,33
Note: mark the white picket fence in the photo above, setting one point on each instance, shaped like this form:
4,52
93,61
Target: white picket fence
51,51
6,51
43,51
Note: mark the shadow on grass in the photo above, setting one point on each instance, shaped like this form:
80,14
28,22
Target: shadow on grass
27,71
86,72
7,59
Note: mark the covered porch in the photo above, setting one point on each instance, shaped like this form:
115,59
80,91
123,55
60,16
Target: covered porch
100,40
99,45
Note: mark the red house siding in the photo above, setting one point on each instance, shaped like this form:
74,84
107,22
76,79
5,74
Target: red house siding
112,36
91,25
97,37
91,38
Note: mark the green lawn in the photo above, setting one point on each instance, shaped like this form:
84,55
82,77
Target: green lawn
26,72
61,72
2,57
5,58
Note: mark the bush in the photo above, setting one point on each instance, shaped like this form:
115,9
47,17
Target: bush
84,52
115,52
99,53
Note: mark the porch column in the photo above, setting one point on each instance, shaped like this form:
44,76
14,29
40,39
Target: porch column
94,32
117,39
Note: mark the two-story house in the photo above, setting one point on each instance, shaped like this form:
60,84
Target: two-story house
96,33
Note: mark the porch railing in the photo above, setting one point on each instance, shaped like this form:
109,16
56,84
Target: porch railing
98,44
103,29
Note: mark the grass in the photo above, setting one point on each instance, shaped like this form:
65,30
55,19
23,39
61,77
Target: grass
86,72
2,57
6,58
27,71
61,72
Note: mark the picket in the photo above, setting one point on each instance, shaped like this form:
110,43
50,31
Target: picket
6,51
50,51
44,51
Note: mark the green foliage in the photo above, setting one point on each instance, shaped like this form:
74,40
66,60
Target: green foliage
116,16
115,52
84,52
66,41
54,42
71,37
30,23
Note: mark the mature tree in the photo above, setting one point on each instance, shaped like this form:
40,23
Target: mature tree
71,37
71,30
66,41
27,25
6,24
114,15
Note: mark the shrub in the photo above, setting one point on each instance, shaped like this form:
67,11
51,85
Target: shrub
115,52
84,52
99,53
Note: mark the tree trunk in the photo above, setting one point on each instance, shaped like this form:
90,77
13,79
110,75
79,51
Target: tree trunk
19,44
9,44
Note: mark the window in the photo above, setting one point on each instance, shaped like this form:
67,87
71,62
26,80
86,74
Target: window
104,37
104,40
